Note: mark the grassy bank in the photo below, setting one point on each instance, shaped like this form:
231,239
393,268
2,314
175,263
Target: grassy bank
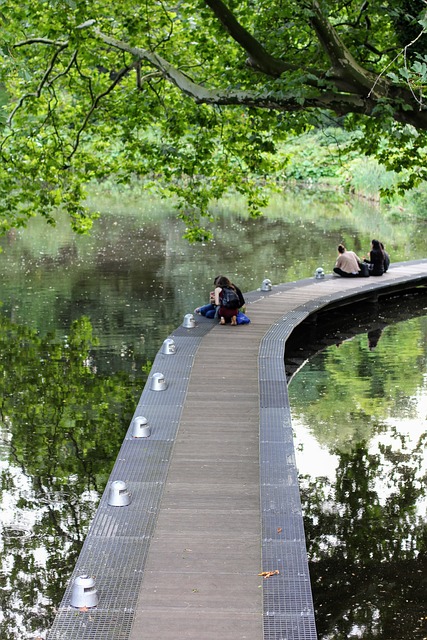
324,158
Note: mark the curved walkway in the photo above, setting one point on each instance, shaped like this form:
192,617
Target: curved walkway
215,497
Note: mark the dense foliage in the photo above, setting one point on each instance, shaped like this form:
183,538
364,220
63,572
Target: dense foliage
194,96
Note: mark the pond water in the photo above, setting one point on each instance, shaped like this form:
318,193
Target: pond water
81,319
359,413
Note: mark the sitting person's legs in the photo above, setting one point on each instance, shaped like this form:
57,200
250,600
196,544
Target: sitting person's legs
203,311
344,274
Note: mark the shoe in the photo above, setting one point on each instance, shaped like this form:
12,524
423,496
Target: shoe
234,321
197,311
222,321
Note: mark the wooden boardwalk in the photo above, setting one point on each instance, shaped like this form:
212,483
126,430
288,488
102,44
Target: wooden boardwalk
207,544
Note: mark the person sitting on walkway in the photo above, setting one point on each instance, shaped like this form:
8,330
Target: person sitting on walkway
228,299
376,259
347,264
386,258
209,310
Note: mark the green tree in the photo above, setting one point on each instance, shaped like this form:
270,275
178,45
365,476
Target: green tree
195,96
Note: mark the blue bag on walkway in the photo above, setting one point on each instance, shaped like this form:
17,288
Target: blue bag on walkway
242,319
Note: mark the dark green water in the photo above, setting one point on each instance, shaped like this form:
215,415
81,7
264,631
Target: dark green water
359,412
80,321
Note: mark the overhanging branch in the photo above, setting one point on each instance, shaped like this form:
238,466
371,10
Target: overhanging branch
341,103
259,58
56,43
343,62
94,106
346,74
44,80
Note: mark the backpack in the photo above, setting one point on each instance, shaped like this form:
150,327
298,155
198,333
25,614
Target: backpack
230,299
364,269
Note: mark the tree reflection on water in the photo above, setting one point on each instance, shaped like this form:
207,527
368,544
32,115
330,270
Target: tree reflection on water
367,558
363,409
62,424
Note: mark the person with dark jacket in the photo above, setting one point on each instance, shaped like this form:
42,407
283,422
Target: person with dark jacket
211,310
376,259
386,258
227,313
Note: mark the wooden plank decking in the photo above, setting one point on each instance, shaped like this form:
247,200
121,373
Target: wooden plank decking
200,580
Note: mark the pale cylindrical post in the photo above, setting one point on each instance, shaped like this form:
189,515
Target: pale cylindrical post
140,427
83,593
119,495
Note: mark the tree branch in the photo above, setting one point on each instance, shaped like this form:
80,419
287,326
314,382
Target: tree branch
259,58
404,53
341,103
72,61
94,106
218,97
56,43
37,92
343,62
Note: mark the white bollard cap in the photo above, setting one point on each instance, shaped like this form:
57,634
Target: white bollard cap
168,346
140,427
319,273
83,592
189,321
158,382
119,495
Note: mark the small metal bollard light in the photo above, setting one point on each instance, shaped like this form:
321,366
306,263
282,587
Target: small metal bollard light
168,346
119,495
319,273
83,593
189,321
158,382
266,285
140,427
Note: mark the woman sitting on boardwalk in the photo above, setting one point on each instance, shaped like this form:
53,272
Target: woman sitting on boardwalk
347,264
209,310
228,299
386,258
376,259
